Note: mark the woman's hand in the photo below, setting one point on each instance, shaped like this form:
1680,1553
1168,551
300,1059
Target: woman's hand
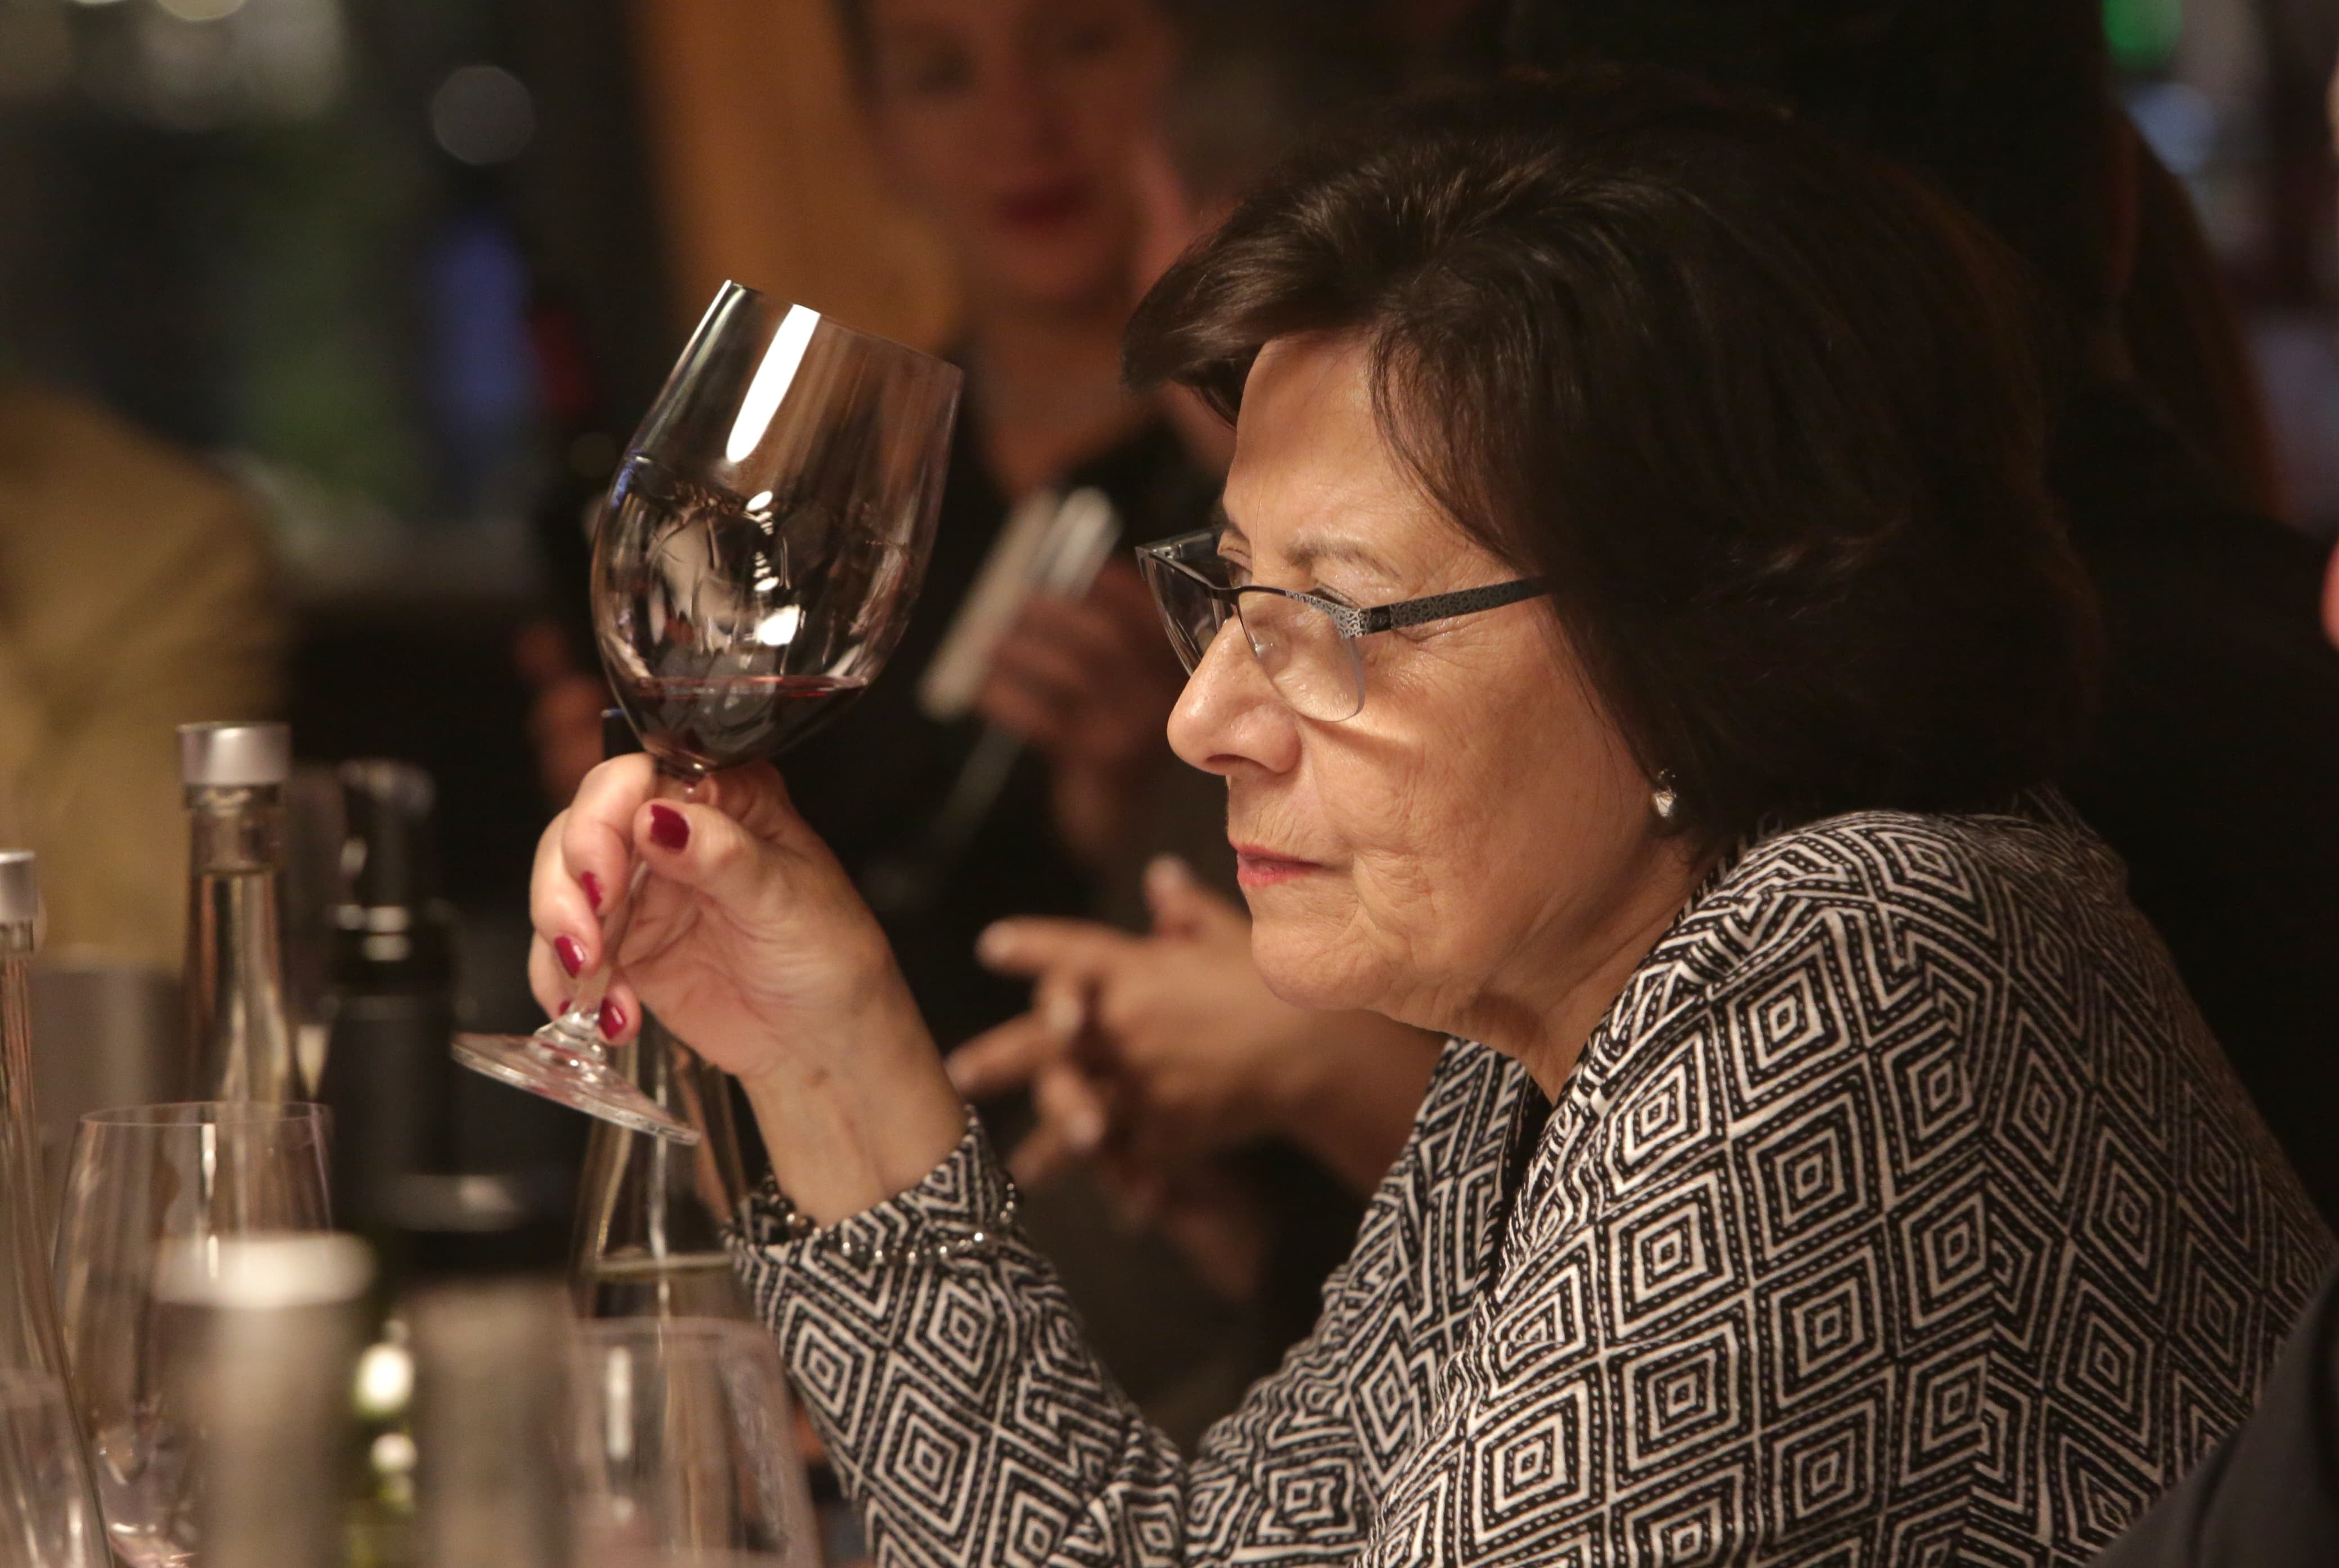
1089,682
1169,1048
751,944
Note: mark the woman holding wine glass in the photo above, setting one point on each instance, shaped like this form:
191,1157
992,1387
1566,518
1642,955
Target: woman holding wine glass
1635,645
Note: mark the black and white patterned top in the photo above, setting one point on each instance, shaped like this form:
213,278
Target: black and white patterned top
1901,1211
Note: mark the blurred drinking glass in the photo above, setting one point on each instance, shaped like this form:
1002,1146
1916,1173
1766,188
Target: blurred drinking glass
687,1452
44,1518
150,1191
756,563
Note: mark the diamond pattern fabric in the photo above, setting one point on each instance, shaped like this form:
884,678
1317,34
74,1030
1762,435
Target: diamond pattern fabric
1901,1211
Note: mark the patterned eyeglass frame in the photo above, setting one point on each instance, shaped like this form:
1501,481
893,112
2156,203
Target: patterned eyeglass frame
1349,620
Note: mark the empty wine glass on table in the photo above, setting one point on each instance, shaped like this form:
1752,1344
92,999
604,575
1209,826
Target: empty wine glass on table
150,1193
755,564
685,1448
44,1516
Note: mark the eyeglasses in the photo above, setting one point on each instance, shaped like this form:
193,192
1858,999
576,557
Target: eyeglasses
1307,642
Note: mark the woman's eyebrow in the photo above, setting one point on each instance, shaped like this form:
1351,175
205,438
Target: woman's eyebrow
1306,552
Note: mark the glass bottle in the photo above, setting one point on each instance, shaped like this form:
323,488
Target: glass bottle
239,1037
491,1365
30,1340
388,1076
650,1212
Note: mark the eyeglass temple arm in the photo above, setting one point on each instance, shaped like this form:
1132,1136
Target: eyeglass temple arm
1461,602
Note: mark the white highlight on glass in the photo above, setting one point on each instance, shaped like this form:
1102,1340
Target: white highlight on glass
779,629
773,378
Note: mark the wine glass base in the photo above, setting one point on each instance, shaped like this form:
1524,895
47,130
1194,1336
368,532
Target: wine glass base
569,1078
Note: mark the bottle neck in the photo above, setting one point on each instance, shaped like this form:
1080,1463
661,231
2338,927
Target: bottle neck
28,1328
239,1037
16,1031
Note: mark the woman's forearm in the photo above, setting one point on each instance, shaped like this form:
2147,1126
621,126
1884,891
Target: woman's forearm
847,1136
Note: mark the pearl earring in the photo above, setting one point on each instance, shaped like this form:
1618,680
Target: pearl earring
1664,799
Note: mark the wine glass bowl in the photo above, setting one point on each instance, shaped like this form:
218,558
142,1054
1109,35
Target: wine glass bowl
755,564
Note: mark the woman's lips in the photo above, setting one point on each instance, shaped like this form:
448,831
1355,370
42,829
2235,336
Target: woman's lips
1256,867
1045,206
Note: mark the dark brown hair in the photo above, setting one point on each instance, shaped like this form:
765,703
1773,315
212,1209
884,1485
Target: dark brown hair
1758,407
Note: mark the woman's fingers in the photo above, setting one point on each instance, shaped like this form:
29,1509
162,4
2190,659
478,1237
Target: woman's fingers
1074,1119
1004,1058
1182,907
1049,663
1034,946
621,1011
1022,712
546,983
584,861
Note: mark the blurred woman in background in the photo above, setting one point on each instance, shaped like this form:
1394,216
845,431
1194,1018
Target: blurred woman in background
1009,125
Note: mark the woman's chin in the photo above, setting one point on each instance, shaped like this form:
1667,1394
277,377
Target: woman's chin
1308,968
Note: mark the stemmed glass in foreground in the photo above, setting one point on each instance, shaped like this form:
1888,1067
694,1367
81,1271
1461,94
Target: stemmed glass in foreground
44,1517
761,550
686,1447
150,1193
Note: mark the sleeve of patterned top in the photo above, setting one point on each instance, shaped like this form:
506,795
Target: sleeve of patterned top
965,1412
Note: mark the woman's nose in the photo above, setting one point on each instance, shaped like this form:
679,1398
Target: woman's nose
1230,716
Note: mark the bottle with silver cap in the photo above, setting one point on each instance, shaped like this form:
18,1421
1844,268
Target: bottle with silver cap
30,1339
240,1038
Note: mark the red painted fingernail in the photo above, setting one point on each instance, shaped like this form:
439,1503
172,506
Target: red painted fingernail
570,952
592,887
565,1003
613,1019
669,829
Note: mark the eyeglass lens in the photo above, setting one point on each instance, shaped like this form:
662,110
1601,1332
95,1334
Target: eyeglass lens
1312,667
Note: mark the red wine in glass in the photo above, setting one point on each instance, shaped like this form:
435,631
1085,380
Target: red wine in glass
754,567
706,723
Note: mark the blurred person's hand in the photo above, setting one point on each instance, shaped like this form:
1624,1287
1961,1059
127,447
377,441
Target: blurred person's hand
1149,1054
1091,683
564,710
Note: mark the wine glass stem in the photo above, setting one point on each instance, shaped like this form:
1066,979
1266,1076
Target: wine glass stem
584,1013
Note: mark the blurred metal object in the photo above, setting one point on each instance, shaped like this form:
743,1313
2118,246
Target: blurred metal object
105,1034
234,755
491,1358
276,1323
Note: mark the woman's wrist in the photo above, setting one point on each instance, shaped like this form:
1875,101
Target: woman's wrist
861,1118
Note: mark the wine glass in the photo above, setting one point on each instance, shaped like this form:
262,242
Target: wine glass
45,1515
151,1192
687,1447
756,562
